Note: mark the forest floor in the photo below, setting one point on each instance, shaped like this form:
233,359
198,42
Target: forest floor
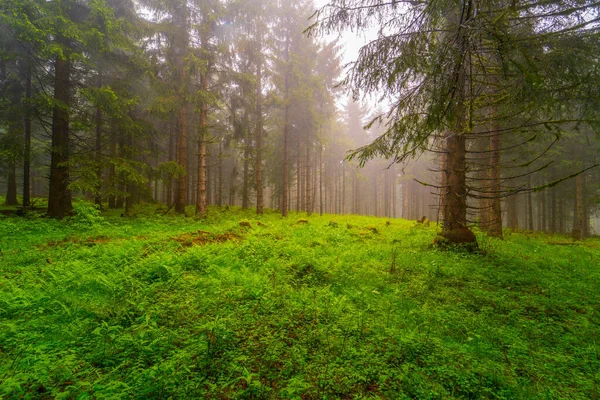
162,306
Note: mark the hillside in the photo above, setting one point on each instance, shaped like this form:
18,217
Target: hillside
162,306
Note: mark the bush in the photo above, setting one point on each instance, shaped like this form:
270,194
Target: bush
86,214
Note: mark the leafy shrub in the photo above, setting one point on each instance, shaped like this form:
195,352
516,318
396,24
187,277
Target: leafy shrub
86,214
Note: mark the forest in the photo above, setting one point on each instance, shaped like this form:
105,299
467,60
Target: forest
275,199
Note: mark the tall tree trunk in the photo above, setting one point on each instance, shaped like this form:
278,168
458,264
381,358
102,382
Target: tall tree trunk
59,198
172,141
201,197
343,189
232,188
529,205
495,222
455,208
561,215
320,179
259,120
299,204
455,228
246,174
307,185
181,43
112,173
11,189
578,228
220,183
286,133
544,212
553,210
182,180
406,194
27,149
98,150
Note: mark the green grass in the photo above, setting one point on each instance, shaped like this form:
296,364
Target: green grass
155,306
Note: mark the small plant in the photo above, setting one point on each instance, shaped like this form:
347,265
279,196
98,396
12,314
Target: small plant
86,214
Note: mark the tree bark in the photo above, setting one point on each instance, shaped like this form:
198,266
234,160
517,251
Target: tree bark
246,174
455,227
307,185
495,221
59,198
553,210
201,197
112,174
286,133
320,179
11,189
181,43
578,228
529,206
27,149
98,150
220,172
259,124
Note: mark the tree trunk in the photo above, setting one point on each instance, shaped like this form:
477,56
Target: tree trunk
246,183
553,210
320,179
169,186
259,124
201,196
112,173
27,149
343,189
11,190
299,193
59,198
182,180
181,43
98,150
455,228
220,183
455,208
307,185
405,197
529,206
544,212
495,221
561,215
286,133
578,228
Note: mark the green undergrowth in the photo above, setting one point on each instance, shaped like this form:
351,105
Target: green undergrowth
162,306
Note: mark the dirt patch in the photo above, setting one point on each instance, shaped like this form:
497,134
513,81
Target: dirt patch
90,241
202,238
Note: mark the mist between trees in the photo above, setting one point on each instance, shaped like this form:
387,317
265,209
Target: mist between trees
488,110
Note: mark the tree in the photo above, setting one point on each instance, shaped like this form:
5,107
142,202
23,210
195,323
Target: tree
430,59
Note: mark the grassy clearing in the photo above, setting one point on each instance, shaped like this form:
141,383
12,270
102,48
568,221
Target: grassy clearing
159,306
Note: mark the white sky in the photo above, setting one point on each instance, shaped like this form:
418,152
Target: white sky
351,42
